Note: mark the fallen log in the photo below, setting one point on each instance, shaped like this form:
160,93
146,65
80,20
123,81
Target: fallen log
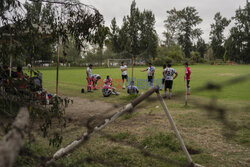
12,142
85,136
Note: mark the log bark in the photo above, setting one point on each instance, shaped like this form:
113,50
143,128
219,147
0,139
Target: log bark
12,142
75,144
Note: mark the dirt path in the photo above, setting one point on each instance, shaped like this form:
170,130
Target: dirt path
84,109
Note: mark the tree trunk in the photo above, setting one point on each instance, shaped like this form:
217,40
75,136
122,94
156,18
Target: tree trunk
14,139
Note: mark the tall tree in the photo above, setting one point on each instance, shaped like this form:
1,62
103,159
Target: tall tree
100,37
124,39
184,27
239,39
201,47
171,25
216,35
137,35
133,29
148,36
114,34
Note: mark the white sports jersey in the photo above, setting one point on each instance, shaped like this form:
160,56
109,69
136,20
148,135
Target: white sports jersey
89,72
124,72
95,75
169,73
150,71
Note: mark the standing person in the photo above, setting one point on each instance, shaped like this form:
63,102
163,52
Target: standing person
89,77
124,74
151,72
187,77
169,77
163,76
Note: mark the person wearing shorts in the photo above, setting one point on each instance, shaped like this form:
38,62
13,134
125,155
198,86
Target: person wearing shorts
89,77
151,72
124,74
187,77
170,75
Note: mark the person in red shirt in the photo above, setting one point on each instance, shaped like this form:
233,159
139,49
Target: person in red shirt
20,76
187,77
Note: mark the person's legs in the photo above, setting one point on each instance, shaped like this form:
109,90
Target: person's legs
170,93
94,83
149,81
170,89
165,95
89,83
162,83
123,84
188,87
126,79
152,83
123,80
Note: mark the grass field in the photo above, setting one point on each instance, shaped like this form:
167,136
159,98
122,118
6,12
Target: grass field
71,80
144,137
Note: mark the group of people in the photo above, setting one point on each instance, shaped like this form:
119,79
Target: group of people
168,75
16,81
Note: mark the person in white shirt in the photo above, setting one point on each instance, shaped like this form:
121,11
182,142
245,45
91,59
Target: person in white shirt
170,75
151,72
124,74
95,78
89,77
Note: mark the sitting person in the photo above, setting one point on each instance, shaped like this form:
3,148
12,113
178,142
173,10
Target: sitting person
20,76
132,89
108,88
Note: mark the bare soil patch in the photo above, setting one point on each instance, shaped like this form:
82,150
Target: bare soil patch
84,109
228,74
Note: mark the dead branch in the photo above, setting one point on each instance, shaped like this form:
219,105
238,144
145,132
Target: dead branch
85,136
14,139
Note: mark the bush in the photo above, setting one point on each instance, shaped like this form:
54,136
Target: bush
171,54
196,57
159,61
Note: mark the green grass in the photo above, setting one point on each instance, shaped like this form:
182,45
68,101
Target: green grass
144,137
71,80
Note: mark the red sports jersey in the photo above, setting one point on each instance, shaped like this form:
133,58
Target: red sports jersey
188,73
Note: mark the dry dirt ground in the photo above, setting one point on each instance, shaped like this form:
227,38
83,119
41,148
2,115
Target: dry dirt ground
84,109
208,137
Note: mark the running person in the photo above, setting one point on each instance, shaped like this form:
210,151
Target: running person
89,77
187,77
124,74
169,77
151,72
163,76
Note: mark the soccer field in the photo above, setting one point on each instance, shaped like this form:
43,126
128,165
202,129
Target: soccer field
214,136
71,80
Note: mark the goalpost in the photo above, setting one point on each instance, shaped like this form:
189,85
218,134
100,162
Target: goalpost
117,62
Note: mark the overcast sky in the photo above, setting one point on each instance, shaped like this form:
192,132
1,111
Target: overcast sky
206,9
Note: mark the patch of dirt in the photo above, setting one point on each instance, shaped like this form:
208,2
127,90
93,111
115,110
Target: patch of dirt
228,74
83,110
